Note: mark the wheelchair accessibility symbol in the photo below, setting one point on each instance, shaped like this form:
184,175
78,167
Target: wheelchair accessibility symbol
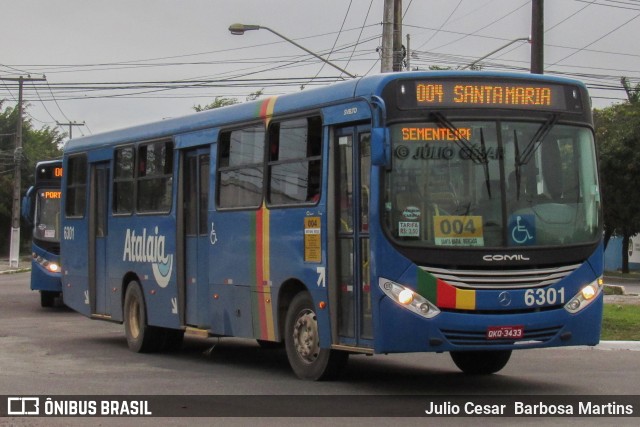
522,230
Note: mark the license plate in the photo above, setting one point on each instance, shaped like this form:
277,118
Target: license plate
505,332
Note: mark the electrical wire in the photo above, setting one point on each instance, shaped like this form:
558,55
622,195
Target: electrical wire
598,39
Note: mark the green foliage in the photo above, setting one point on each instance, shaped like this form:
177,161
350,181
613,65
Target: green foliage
633,94
37,144
221,101
218,102
618,136
620,322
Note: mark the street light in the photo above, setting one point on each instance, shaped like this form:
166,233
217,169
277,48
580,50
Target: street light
497,50
239,29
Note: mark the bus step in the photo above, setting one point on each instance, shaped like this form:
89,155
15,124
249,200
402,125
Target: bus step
196,332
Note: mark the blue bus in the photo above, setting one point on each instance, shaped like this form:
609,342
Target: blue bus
410,212
41,210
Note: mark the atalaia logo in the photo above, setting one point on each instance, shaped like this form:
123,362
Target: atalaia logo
149,248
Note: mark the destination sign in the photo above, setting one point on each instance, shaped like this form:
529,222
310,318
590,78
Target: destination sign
52,194
488,94
49,172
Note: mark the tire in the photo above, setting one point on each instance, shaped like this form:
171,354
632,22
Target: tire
302,343
481,362
47,298
141,338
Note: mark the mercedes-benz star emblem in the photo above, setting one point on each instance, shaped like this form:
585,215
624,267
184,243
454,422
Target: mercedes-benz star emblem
504,298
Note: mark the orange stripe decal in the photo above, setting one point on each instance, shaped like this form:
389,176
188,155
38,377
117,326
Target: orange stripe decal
266,109
263,276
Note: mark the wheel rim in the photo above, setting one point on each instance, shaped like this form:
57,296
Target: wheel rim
134,322
305,336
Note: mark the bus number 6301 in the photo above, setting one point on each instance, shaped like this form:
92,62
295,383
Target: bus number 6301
542,296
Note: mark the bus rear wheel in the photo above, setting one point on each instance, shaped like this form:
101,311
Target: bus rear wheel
141,337
302,343
481,362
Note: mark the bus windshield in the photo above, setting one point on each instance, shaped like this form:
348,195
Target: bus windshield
46,226
492,183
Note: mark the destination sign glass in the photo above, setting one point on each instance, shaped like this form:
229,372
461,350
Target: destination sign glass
52,194
438,93
49,172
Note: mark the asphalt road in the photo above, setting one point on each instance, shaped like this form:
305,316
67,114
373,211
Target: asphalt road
58,352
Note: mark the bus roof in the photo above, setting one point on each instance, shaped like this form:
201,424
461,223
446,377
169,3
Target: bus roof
286,104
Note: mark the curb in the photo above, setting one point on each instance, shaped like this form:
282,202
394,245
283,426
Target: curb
15,271
618,345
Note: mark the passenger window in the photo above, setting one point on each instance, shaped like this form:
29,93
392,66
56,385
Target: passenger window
155,177
240,171
76,186
295,166
123,181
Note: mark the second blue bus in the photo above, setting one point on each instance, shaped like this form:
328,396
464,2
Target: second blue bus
41,209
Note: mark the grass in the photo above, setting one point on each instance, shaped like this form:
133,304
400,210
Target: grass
621,322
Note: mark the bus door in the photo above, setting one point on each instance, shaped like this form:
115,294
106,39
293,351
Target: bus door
99,295
195,188
352,171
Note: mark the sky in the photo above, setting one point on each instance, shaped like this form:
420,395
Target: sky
118,63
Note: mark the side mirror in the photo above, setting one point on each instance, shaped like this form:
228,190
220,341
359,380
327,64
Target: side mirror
27,207
380,147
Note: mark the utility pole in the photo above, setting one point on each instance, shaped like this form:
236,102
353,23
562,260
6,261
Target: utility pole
14,250
391,58
71,125
397,35
537,36
386,62
408,52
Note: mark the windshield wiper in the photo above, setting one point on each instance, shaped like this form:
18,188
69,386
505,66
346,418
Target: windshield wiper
517,162
479,157
475,155
487,180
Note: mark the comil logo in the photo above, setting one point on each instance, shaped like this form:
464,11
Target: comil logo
501,257
149,248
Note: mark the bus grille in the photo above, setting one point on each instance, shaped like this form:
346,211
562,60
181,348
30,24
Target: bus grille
502,279
531,336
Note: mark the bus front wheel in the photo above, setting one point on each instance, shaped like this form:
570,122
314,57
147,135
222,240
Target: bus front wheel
47,298
481,362
141,337
302,343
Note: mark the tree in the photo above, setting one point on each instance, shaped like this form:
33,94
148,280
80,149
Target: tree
618,136
218,102
221,101
43,144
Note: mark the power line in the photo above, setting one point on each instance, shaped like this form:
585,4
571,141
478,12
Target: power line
616,4
598,39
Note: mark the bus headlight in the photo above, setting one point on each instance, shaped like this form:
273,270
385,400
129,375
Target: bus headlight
408,299
585,297
50,266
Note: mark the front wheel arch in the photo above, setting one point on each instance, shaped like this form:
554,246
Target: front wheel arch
302,342
141,338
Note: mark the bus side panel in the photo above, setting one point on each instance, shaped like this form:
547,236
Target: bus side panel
236,260
144,248
75,263
249,264
299,253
